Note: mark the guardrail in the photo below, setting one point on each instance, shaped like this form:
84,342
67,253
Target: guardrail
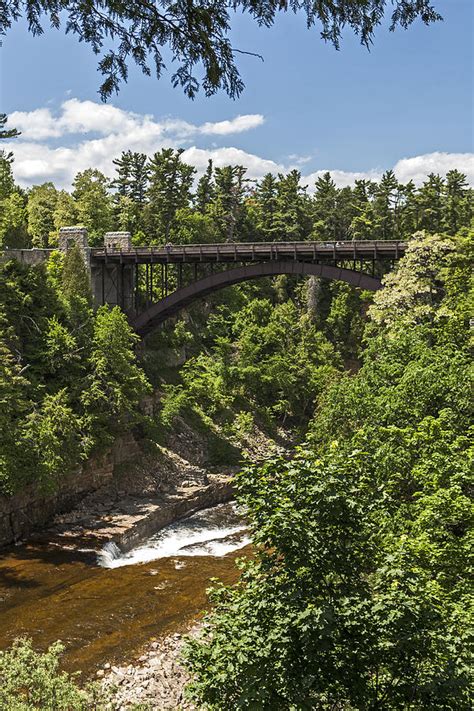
252,251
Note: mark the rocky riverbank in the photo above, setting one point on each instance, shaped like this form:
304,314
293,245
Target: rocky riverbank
161,485
155,680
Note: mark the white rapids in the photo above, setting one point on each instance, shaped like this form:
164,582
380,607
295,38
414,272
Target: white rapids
211,532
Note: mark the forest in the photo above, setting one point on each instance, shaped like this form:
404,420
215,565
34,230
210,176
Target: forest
159,199
353,592
356,596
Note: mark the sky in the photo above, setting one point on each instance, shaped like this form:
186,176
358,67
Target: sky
407,104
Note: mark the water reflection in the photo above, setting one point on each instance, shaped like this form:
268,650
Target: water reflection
101,614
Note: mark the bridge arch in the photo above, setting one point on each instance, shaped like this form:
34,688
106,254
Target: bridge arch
172,304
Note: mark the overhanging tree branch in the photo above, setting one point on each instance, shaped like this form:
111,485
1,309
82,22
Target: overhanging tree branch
196,33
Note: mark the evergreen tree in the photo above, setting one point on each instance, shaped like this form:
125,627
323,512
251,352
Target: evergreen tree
54,431
409,213
205,189
6,133
13,221
362,223
139,175
325,208
15,404
292,215
345,213
266,206
228,208
115,384
123,169
169,190
384,207
75,279
430,203
457,207
198,36
131,185
7,183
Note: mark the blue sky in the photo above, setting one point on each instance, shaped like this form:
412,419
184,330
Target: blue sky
406,104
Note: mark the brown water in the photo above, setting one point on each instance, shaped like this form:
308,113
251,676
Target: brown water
101,614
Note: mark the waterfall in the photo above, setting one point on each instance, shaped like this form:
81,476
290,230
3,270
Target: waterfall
107,554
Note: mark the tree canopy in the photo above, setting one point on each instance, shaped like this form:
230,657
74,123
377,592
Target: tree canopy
358,595
195,36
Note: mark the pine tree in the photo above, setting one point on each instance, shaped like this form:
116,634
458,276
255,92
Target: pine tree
228,207
131,185
15,401
325,208
13,221
265,196
205,189
430,203
457,202
196,37
169,190
6,133
292,216
132,176
385,206
75,279
409,211
362,223
123,169
7,183
345,213
139,175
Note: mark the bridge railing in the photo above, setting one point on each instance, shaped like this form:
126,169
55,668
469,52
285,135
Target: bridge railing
253,251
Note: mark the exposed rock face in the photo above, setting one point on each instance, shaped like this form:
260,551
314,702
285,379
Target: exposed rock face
127,519
156,680
157,487
32,508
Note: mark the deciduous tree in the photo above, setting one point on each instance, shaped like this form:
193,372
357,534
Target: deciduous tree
93,203
42,201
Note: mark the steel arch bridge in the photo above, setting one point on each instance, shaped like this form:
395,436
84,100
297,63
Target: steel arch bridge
153,283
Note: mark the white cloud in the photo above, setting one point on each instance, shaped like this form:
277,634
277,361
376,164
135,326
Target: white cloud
418,167
297,160
236,125
91,117
35,125
342,178
102,131
82,117
97,133
256,166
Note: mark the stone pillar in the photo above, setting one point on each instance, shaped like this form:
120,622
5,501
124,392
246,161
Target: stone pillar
74,235
68,236
118,240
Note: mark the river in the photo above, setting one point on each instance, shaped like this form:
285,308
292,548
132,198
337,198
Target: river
105,607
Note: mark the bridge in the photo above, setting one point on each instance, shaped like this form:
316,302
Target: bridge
153,283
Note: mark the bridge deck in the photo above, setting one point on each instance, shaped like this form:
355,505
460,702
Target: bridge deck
251,252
